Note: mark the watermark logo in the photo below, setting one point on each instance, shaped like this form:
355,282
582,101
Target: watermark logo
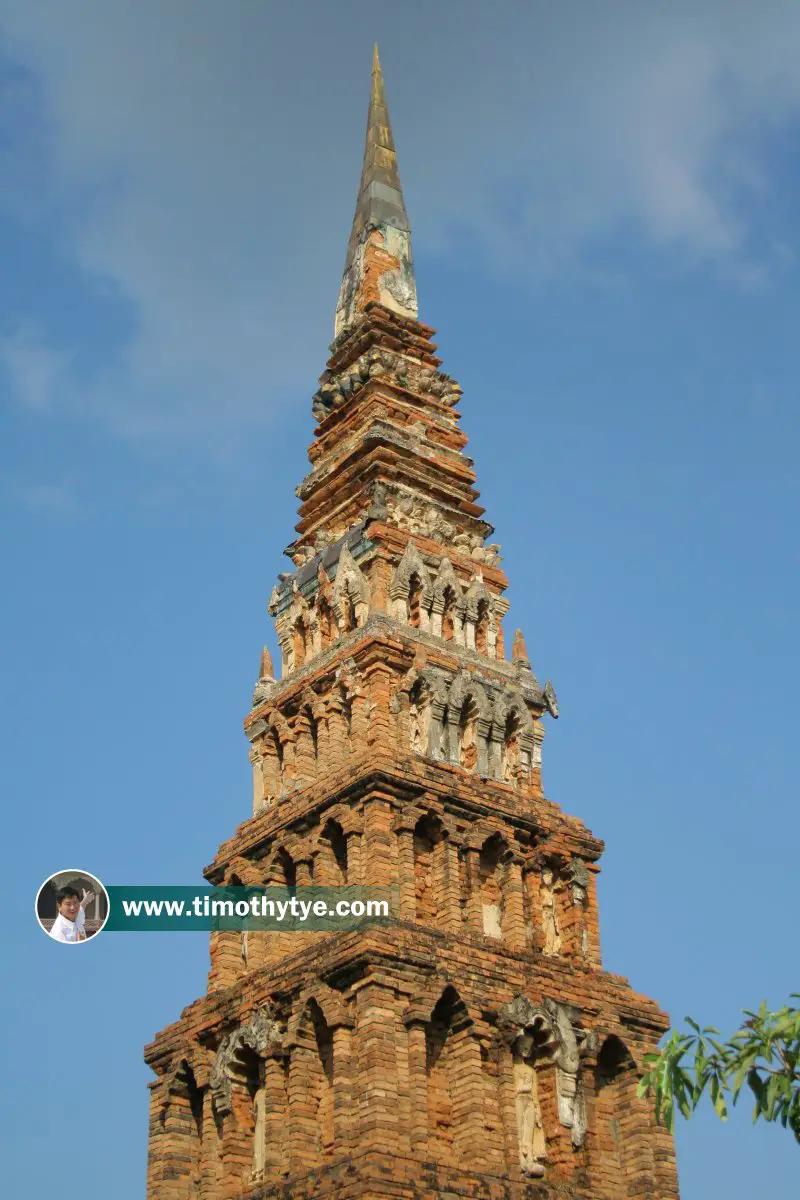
72,906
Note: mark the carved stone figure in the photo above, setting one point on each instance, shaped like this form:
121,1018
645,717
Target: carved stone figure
418,517
300,555
259,1133
579,880
530,1128
416,731
510,758
420,716
552,934
469,744
452,392
377,510
578,1114
443,741
486,554
569,1086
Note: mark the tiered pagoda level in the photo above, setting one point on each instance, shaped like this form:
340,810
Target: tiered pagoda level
473,1046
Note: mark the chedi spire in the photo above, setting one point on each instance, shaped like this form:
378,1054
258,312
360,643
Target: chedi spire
378,266
266,669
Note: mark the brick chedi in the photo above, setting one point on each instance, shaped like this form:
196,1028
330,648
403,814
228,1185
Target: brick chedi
473,1045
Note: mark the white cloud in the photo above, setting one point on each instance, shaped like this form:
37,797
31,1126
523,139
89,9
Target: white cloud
623,119
200,161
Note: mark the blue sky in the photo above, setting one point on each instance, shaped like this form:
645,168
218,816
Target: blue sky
603,205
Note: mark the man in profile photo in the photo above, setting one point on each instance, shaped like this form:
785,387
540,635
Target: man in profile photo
70,924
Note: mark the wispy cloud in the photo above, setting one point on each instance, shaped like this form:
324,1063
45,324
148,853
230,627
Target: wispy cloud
200,162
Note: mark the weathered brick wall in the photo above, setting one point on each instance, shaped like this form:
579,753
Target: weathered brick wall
408,1059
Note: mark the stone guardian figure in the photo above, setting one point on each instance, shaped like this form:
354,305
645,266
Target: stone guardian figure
419,718
552,935
259,1130
532,1144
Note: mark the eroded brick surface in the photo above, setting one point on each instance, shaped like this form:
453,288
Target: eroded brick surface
473,1046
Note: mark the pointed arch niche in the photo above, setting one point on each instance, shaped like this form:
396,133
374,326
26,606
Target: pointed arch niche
445,1078
319,1041
429,839
623,1162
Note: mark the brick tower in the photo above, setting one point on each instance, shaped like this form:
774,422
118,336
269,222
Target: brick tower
473,1046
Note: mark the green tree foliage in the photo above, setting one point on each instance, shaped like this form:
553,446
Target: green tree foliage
764,1054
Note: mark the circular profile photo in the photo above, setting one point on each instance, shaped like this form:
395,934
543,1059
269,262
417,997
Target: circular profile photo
72,906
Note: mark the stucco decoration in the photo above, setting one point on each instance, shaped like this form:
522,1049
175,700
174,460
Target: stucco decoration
531,1036
550,699
569,1084
410,564
259,1032
530,1125
350,585
520,1016
550,884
